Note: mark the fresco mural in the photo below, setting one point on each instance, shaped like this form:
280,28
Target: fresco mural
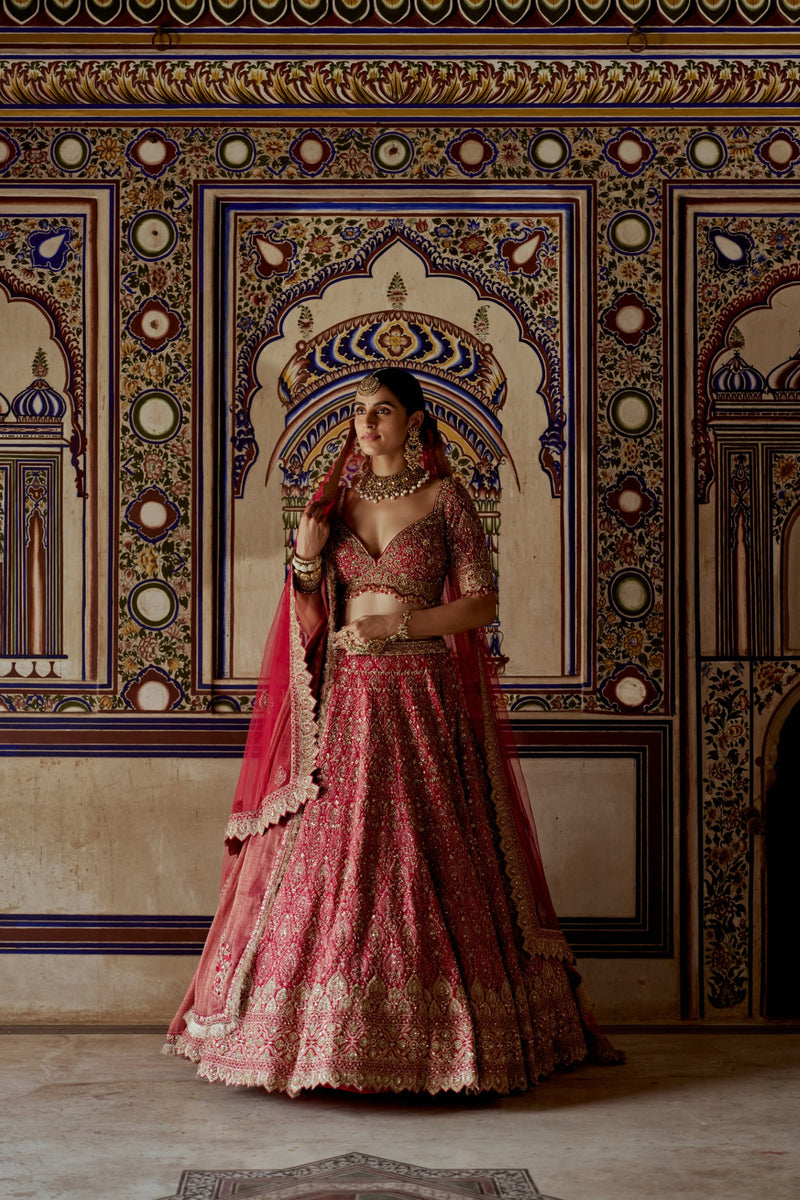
591,261
55,448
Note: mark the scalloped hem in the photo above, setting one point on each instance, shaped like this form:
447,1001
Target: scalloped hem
182,1046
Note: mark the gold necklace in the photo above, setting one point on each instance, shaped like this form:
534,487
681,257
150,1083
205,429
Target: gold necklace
375,488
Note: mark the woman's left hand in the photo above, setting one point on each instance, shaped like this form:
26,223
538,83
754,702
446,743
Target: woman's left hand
372,628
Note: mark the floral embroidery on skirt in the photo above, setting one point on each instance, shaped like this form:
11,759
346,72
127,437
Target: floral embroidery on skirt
390,958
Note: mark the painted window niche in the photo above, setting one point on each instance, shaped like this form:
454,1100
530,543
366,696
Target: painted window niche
481,301
55,446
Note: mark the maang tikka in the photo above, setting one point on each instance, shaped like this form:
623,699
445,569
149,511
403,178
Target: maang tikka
369,385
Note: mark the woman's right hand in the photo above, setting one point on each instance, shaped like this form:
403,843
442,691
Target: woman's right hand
313,530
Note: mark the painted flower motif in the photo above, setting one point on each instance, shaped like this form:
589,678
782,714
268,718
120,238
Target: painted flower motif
630,152
152,152
473,243
312,152
779,239
107,148
152,465
271,257
155,324
630,318
320,244
147,561
353,161
395,341
159,278
509,155
351,233
471,152
779,151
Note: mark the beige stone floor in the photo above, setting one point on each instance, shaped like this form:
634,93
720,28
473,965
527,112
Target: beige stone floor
693,1116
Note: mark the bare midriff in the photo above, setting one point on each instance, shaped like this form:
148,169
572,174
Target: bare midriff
369,604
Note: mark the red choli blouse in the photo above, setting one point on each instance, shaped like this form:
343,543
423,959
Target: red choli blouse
414,565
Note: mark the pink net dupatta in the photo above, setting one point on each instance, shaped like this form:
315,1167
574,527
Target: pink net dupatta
275,780
536,917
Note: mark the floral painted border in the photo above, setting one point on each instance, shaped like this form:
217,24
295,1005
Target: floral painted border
725,805
379,82
738,701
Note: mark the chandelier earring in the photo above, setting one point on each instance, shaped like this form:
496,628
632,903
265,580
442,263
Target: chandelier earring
412,450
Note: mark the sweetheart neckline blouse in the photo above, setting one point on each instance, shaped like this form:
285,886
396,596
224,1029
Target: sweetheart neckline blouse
415,562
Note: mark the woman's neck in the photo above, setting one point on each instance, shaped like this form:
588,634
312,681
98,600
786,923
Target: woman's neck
388,464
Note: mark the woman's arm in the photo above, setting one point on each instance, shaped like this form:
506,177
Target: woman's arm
312,534
470,612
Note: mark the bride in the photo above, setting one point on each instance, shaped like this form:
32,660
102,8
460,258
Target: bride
384,920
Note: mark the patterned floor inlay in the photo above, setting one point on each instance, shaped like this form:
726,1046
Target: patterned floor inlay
357,1176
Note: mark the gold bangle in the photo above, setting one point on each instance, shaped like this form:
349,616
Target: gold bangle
304,565
308,582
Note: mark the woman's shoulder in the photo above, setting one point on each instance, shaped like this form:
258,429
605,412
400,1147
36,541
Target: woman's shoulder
453,497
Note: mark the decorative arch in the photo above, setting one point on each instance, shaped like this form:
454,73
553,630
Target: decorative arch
67,341
363,343
715,344
790,582
465,387
774,867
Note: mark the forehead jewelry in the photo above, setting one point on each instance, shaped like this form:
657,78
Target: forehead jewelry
369,385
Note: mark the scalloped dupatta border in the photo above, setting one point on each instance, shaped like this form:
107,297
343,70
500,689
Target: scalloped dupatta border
213,1002
291,794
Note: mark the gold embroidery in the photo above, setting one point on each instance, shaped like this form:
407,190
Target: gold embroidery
301,786
441,1039
476,579
225,1021
415,563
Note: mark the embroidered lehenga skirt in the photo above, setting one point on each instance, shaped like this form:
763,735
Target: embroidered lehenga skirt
386,954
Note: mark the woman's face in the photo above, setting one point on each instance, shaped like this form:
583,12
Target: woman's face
382,423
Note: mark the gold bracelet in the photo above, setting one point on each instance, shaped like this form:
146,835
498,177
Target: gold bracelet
401,634
306,565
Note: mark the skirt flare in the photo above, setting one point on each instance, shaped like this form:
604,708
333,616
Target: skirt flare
386,953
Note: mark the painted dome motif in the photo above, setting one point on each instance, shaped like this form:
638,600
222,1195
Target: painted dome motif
736,375
39,401
786,377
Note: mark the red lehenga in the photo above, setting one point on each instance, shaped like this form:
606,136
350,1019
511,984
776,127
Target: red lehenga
384,921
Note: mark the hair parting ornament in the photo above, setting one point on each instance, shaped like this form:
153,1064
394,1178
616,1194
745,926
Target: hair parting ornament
369,385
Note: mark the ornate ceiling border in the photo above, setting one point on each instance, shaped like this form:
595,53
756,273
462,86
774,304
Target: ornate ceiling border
408,14
364,86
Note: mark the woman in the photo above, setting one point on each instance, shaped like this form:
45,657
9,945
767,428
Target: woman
384,921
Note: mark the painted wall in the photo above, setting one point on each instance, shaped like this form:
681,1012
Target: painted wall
593,263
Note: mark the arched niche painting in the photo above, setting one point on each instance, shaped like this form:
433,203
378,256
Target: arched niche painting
40,509
55,451
490,379
748,528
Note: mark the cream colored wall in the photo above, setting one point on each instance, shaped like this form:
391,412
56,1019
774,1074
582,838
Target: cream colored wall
144,836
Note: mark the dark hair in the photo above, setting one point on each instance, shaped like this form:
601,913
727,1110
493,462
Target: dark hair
404,386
